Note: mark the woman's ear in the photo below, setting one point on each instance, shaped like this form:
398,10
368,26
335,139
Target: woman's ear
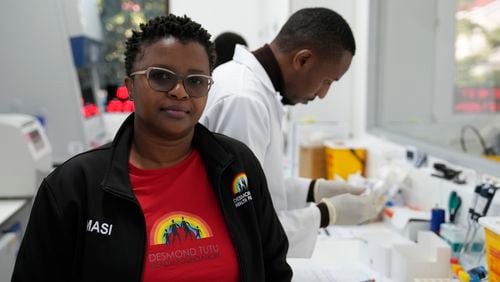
129,83
301,58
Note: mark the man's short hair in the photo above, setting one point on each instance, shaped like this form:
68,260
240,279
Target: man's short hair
319,28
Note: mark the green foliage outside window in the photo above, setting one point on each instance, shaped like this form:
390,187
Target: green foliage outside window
465,74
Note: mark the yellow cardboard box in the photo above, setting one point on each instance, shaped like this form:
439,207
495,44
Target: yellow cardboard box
343,161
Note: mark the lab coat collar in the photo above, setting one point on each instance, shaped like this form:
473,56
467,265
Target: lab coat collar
245,57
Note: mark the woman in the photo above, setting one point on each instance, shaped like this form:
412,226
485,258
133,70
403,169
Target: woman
167,200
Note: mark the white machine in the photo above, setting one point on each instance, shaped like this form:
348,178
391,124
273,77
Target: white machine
26,155
55,80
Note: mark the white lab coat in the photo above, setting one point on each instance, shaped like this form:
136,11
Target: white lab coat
243,104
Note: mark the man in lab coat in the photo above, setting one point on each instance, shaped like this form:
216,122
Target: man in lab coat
313,49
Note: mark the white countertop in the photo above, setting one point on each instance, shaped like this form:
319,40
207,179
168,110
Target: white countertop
337,257
9,207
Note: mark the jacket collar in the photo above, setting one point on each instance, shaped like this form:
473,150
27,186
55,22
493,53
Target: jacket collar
117,179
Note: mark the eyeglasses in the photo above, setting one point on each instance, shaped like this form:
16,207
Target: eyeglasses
160,79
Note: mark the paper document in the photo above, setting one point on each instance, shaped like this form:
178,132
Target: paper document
306,271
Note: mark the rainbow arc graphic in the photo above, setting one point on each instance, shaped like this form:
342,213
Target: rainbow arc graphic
179,226
240,183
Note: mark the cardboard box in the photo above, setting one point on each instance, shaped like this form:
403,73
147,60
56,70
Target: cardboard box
312,162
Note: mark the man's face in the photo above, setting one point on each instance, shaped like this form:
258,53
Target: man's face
314,78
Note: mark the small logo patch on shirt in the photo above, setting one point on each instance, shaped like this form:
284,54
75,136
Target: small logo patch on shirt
241,194
99,227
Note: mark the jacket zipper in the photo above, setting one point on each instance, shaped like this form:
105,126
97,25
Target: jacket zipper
231,228
141,265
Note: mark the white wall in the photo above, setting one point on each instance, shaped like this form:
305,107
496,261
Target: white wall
345,102
82,19
257,21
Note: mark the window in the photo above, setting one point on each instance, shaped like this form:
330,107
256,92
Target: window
435,76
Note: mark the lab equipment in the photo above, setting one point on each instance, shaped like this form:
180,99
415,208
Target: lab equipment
454,234
478,273
454,203
481,201
475,274
416,157
483,197
26,155
448,173
50,82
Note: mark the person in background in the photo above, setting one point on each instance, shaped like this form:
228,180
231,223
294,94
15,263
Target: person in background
224,46
121,212
313,50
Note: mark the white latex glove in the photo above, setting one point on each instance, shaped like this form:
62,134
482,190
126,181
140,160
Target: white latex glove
348,209
330,188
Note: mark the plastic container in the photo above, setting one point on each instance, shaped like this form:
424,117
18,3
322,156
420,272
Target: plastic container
455,236
492,235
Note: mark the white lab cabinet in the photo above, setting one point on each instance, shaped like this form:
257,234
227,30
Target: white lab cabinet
14,215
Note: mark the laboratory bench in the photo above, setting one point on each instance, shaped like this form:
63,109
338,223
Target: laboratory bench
14,214
365,253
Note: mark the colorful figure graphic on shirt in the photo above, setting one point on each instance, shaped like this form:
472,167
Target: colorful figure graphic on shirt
188,229
198,232
174,230
172,227
166,238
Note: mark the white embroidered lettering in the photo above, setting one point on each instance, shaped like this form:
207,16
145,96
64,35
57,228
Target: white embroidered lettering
95,227
100,228
242,198
104,228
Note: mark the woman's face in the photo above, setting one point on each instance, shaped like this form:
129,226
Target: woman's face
172,114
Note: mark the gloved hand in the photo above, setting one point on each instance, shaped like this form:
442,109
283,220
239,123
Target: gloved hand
330,188
348,209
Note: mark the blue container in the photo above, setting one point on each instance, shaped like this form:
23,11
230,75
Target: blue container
437,217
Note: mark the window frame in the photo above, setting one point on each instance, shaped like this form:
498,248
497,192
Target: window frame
443,71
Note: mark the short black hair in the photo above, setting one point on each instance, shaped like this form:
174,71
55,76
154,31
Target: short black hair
224,46
320,28
182,28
